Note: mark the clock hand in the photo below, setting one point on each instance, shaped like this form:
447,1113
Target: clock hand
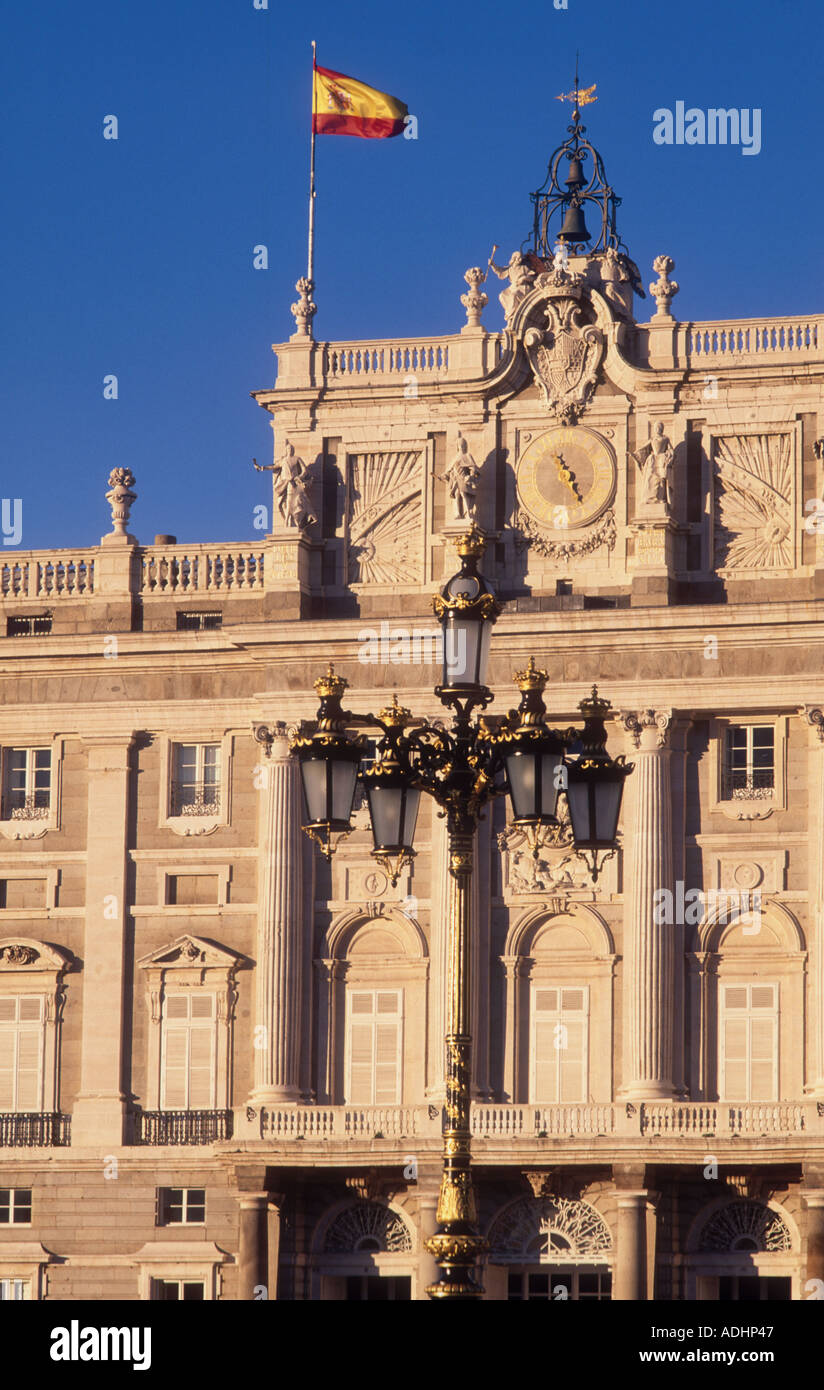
568,477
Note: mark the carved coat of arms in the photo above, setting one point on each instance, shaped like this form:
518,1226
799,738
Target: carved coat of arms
565,358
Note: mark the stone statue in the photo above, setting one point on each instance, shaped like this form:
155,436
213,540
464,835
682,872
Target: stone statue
462,476
614,275
520,275
290,487
655,461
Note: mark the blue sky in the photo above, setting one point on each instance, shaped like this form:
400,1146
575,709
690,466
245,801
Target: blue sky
134,256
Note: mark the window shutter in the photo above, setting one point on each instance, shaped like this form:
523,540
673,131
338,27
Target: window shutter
763,1059
28,1068
174,1071
749,1062
386,1063
735,1058
544,1062
571,1059
374,1047
8,1053
559,1045
201,1068
361,1066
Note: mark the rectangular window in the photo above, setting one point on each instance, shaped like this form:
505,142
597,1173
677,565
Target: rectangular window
195,779
37,625
188,1052
749,762
15,1206
373,1046
26,783
181,1206
559,1045
749,1043
199,622
177,1290
21,1053
17,1289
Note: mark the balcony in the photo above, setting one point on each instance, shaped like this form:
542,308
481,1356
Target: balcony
195,799
521,1123
34,1130
183,1126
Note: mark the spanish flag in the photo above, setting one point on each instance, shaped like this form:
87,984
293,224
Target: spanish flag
343,106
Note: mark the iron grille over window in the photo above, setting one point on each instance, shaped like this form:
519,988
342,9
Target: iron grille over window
199,622
196,780
749,763
35,626
26,783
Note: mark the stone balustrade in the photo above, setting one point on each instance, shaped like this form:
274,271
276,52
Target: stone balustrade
200,569
686,1120
39,574
751,341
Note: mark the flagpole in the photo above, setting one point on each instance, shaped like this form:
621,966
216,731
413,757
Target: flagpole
311,262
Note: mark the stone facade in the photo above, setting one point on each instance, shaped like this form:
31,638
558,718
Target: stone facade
185,1090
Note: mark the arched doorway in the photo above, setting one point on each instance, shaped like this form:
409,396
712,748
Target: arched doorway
550,1249
742,1251
364,1253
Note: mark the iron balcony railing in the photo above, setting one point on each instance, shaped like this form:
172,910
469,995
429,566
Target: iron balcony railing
183,1126
195,798
748,784
34,1130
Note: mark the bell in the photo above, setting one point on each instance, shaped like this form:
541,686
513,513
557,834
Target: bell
574,228
575,178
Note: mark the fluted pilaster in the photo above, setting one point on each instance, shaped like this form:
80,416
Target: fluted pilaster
815,720
649,946
280,926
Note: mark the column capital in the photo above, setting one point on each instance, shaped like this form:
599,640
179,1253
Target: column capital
813,715
275,738
648,729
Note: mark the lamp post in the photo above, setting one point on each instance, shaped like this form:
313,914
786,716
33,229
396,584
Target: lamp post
462,769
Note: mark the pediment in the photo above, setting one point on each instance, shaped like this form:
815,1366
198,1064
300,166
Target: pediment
191,952
24,952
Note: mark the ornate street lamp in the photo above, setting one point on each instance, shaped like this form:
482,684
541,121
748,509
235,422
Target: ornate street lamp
461,768
595,786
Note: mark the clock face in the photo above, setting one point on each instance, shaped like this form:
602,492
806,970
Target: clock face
566,477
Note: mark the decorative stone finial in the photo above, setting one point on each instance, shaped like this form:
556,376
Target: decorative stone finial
305,309
663,290
475,301
120,498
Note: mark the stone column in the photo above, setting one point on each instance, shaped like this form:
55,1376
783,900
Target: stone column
428,1271
100,1107
814,1206
253,1262
815,720
648,946
629,1281
439,896
280,928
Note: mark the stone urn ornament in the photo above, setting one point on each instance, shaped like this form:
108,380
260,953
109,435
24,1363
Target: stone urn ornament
120,498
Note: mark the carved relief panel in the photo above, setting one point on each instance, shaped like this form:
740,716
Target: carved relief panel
755,499
385,517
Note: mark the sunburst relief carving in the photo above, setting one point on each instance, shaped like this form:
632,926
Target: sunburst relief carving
385,513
